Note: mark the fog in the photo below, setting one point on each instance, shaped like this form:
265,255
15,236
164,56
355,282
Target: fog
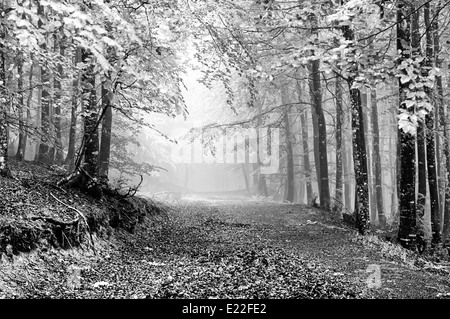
189,166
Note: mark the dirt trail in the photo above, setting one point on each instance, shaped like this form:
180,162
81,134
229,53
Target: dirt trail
314,235
229,249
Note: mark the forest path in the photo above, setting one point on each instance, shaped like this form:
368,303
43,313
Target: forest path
232,249
320,237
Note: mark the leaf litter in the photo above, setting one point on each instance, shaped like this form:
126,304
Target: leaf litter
218,250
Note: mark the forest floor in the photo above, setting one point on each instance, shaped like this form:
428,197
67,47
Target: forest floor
213,249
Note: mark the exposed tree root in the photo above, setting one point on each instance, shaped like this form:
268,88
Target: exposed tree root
125,209
81,216
122,209
82,180
128,212
56,221
28,235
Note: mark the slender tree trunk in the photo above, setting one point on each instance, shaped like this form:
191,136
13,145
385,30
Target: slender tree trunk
360,162
339,121
4,98
406,176
440,117
315,131
421,150
317,112
21,147
394,161
422,180
43,155
430,142
306,161
305,137
299,180
377,159
301,192
367,135
70,158
443,127
316,93
359,145
263,185
246,179
59,157
347,177
347,169
38,113
91,143
255,177
258,180
446,149
290,161
105,144
289,194
29,99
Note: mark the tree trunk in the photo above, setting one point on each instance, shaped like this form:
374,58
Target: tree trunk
91,143
255,177
21,147
263,185
430,141
246,179
70,158
440,117
394,159
320,152
422,180
377,159
29,99
316,93
306,161
367,135
43,155
315,131
347,176
446,149
347,169
305,137
4,98
105,144
359,145
339,121
290,191
421,151
406,176
359,162
59,157
259,183
440,107
290,161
